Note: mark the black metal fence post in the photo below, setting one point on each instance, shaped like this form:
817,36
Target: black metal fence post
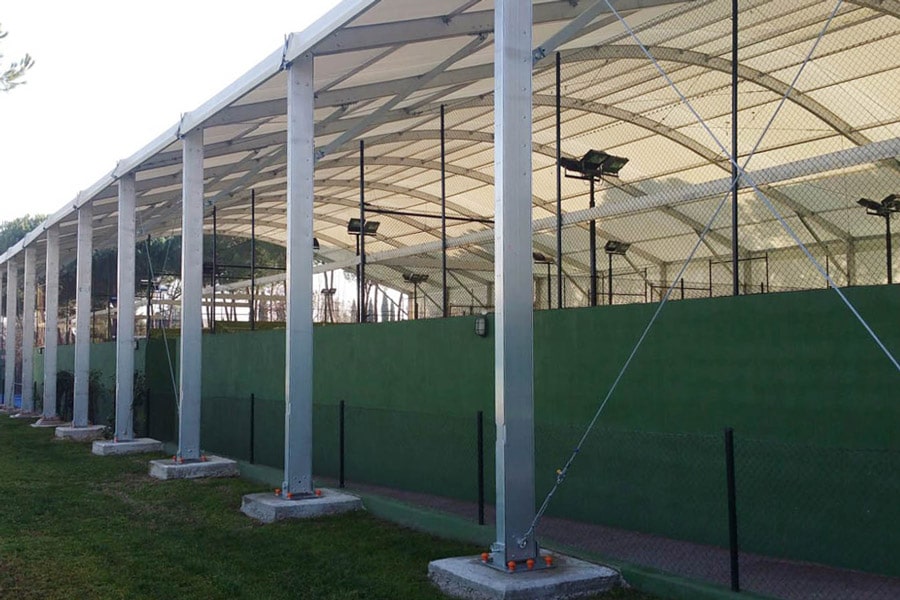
252,428
480,452
732,510
341,445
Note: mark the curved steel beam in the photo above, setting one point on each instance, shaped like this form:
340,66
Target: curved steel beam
885,7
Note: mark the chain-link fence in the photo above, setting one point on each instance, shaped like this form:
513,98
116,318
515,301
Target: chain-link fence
812,521
809,116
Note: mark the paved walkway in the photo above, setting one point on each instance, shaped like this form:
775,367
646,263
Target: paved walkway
776,578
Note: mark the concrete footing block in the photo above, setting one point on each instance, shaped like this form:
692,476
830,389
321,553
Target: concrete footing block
118,448
24,415
213,466
48,423
80,434
468,577
269,508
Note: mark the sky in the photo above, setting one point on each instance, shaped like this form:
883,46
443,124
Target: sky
110,76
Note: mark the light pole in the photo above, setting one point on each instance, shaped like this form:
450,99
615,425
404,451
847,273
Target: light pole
543,259
888,205
612,248
593,167
360,228
415,279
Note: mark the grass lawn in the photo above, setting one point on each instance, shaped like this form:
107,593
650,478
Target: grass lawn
73,525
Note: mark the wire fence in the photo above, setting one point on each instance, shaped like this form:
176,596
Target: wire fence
812,522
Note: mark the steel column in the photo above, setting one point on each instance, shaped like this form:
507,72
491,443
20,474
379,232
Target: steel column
4,290
444,295
83,314
513,351
12,308
125,304
252,260
28,291
361,238
559,253
609,275
149,287
592,231
191,299
888,251
735,174
299,336
51,328
215,269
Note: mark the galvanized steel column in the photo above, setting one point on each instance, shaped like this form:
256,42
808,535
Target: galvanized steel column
125,306
12,285
83,315
513,352
3,402
28,291
299,336
191,300
51,328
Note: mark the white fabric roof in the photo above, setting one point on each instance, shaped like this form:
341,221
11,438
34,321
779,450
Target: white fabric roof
384,68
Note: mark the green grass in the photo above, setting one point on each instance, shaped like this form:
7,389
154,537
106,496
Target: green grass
77,526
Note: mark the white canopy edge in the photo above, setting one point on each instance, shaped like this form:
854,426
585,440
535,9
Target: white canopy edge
295,45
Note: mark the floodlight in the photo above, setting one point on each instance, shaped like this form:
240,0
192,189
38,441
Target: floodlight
888,205
415,278
873,207
892,202
371,227
543,259
595,164
617,247
315,244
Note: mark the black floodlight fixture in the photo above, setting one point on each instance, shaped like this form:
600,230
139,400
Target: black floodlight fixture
884,209
888,205
316,244
595,164
329,291
353,227
616,247
415,279
542,259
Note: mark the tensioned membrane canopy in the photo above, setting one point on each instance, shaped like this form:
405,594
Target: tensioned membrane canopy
817,110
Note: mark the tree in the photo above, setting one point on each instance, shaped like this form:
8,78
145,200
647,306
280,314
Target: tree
11,76
13,231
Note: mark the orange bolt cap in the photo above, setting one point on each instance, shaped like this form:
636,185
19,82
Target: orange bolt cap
529,563
277,491
290,495
318,492
549,560
484,557
511,565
